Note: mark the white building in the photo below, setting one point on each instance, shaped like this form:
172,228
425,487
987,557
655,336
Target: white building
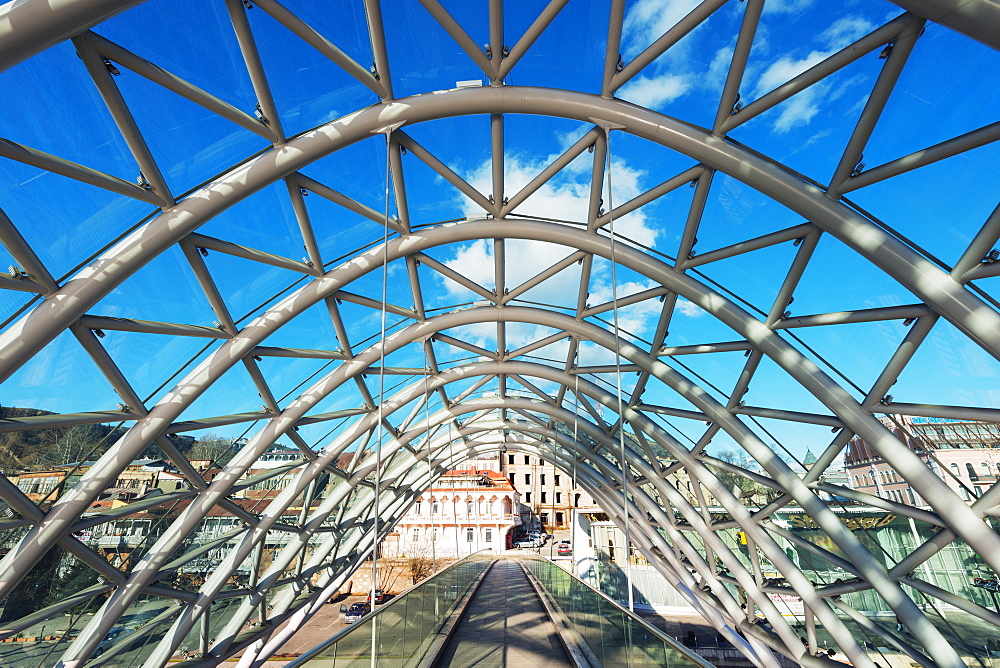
467,511
966,455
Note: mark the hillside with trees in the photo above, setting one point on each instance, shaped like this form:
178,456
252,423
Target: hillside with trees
40,449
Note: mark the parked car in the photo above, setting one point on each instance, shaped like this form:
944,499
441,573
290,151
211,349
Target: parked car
109,640
564,548
356,612
527,542
379,597
540,536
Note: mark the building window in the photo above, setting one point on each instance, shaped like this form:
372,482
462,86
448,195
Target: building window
418,508
510,459
576,501
543,479
556,476
434,509
469,535
527,497
527,460
489,536
558,497
511,476
971,471
527,478
559,518
543,497
469,508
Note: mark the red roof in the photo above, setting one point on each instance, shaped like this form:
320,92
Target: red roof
497,481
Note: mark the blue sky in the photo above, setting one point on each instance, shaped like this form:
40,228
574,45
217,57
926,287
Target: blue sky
948,87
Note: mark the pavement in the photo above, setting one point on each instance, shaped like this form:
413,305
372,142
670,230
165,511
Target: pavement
505,624
326,623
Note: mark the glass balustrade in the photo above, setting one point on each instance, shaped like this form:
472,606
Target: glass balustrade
403,629
607,633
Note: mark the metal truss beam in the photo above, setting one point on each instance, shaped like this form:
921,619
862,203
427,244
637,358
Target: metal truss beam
922,277
426,431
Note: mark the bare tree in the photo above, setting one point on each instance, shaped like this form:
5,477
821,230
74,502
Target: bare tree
211,446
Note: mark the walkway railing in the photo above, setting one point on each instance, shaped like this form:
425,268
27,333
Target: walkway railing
402,630
607,633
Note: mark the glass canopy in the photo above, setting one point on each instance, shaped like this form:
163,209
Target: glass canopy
714,240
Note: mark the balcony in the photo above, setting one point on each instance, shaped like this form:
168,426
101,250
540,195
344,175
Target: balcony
128,542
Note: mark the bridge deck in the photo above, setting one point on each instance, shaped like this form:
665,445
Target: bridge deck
505,624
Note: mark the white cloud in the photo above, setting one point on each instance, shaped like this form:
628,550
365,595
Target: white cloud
845,30
633,318
799,110
822,134
786,68
785,6
648,19
565,197
655,91
690,309
718,69
474,261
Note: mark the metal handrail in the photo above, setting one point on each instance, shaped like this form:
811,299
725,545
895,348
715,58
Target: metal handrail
667,639
318,649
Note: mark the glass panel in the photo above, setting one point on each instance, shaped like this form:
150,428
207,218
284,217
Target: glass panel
607,633
403,629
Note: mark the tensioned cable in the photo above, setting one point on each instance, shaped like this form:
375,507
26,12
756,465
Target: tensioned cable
454,500
555,487
427,444
572,484
381,397
618,371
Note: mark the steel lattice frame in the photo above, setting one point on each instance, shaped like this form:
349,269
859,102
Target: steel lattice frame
662,521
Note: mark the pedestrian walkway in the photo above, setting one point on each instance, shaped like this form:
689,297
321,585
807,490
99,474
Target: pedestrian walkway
505,624
486,612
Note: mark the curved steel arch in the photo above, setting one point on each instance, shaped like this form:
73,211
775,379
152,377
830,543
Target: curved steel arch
806,498
931,488
730,502
476,448
237,556
612,503
446,448
934,490
774,615
944,294
938,289
906,610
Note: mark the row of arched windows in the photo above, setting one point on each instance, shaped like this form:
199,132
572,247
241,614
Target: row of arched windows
468,506
888,477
